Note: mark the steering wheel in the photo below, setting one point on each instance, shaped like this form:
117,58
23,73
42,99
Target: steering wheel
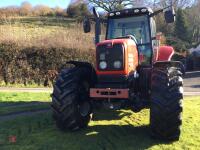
129,37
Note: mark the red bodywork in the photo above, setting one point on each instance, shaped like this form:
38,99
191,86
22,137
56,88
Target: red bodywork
164,53
131,63
131,56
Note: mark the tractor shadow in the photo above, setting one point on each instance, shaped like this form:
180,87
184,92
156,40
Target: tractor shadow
111,134
107,114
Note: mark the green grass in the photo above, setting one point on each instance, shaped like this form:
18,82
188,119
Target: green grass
117,130
11,102
24,97
22,107
18,85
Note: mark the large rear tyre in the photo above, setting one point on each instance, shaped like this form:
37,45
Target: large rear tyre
166,103
70,99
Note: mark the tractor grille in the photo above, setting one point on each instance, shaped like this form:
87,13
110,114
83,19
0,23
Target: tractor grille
112,54
112,81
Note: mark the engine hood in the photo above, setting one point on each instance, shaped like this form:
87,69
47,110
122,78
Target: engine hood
112,47
111,42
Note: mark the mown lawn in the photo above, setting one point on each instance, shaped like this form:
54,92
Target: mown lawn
11,102
119,130
24,97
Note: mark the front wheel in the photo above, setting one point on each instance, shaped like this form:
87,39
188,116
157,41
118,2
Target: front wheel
70,99
166,103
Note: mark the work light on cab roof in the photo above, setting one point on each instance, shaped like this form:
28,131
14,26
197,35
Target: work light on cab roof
135,11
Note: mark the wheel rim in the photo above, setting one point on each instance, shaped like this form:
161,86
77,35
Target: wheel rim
84,109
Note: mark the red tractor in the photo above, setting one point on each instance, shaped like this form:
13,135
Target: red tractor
132,72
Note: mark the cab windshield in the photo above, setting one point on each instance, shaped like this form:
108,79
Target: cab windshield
137,26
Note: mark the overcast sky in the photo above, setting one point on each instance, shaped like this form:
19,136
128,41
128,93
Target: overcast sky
51,3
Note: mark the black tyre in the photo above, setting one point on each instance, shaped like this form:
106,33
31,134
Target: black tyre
166,103
70,99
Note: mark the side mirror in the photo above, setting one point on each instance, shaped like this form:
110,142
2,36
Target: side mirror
86,25
170,15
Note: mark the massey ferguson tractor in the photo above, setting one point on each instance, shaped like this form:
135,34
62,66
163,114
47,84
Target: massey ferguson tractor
132,72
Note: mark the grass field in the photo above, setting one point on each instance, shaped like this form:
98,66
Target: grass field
109,130
23,97
18,85
18,102
45,32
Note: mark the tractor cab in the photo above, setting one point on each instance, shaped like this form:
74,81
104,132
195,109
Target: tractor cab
138,24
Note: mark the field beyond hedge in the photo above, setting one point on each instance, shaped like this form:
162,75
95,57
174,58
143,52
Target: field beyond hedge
34,49
109,130
47,32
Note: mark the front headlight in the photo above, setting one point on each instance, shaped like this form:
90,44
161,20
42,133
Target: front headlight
103,65
117,64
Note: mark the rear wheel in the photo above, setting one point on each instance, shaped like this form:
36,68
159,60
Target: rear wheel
70,99
166,103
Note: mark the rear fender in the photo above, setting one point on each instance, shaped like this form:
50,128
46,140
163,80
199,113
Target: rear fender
166,64
165,53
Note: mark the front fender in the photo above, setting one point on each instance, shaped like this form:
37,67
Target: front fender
92,72
80,64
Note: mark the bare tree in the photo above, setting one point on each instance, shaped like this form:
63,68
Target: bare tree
42,10
59,11
76,1
111,5
183,3
176,3
140,3
25,8
194,21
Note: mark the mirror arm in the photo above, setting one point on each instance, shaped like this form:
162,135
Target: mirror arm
160,11
156,12
97,30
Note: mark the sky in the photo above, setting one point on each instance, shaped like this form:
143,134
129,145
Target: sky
51,3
